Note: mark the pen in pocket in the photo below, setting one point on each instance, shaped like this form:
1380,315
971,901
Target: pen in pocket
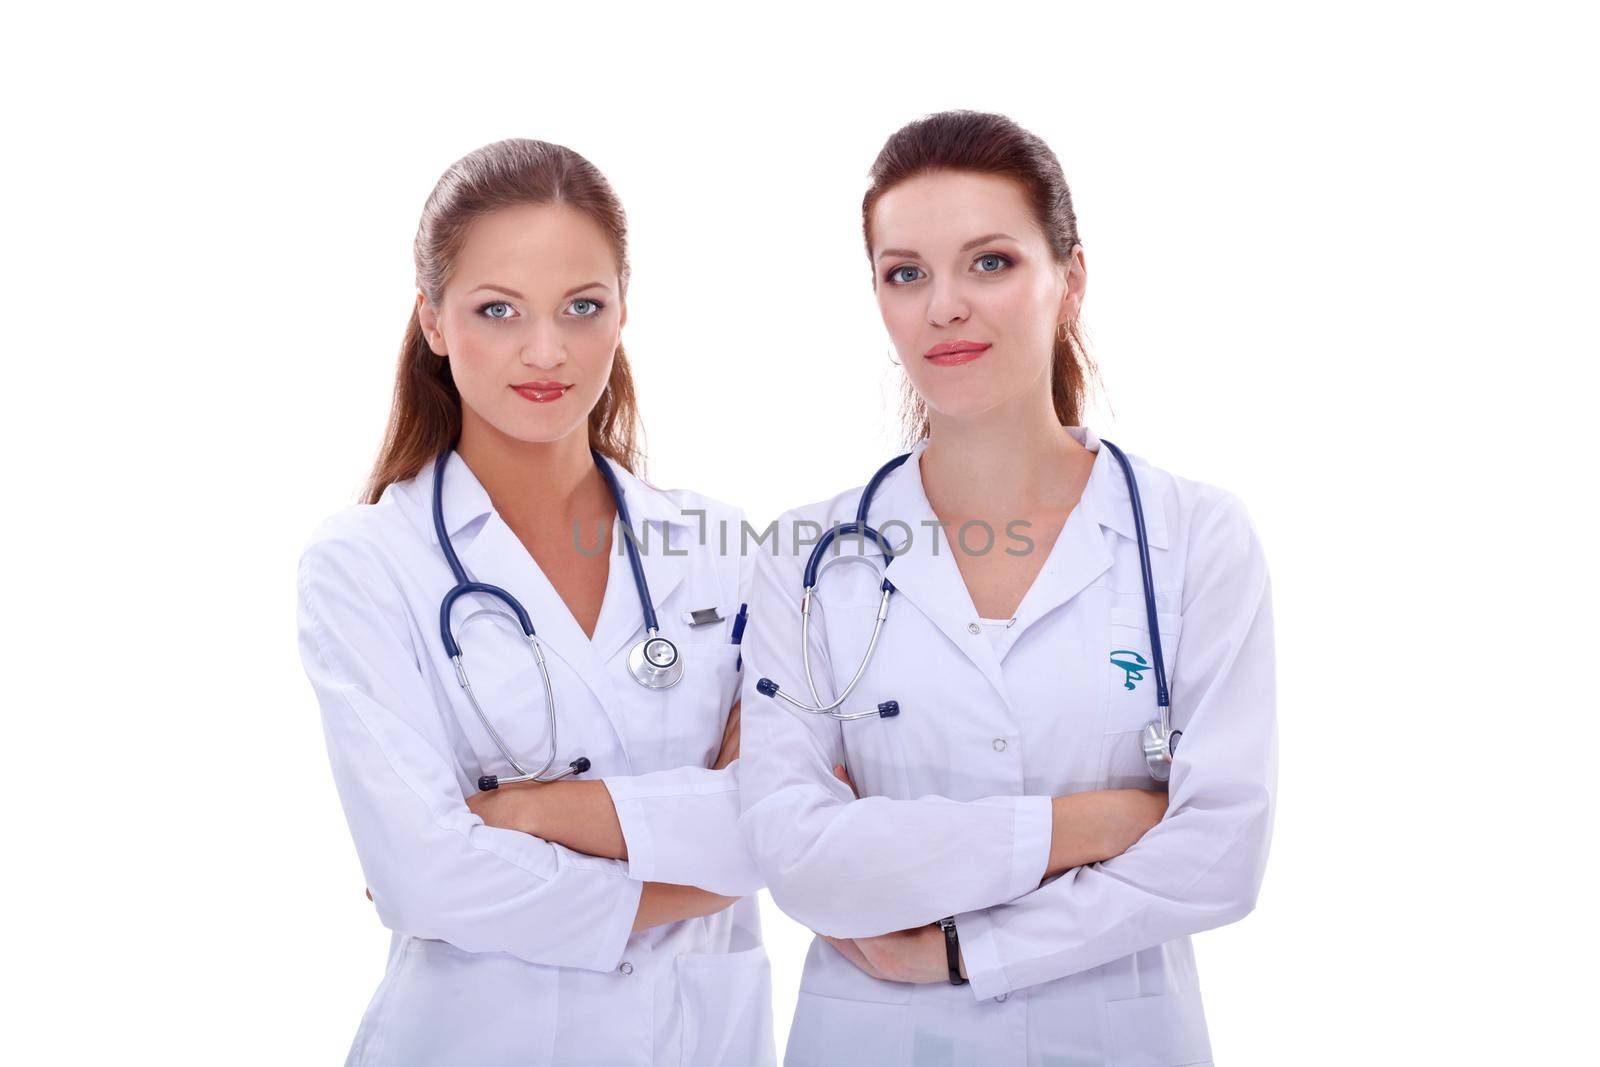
738,633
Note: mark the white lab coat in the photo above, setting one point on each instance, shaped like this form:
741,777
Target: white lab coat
508,948
1095,966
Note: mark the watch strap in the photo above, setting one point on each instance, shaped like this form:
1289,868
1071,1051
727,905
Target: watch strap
952,950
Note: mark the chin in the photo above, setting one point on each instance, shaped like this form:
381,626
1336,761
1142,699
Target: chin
539,431
961,403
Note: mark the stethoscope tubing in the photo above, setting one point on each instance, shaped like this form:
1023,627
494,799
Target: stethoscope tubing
1148,580
1159,741
650,676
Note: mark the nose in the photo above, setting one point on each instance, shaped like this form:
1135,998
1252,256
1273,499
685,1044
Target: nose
946,305
543,348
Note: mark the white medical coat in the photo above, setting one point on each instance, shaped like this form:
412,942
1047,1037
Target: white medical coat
508,948
955,817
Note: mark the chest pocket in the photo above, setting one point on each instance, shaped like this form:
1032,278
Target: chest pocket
1130,687
696,709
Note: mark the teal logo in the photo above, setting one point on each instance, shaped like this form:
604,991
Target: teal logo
1133,666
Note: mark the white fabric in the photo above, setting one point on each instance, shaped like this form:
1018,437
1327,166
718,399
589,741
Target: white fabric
999,632
1096,966
508,948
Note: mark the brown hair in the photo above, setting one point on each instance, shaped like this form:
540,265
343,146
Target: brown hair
425,417
990,144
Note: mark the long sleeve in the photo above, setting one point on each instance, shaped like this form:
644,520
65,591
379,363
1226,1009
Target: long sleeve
847,867
682,824
1202,866
434,868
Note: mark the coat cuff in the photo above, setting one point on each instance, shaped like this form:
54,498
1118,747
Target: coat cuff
604,934
682,826
633,817
1030,845
980,955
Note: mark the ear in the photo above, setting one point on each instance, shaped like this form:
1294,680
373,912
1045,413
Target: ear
623,321
428,319
1077,281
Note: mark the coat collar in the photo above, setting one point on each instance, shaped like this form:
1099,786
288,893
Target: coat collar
466,501
924,569
1109,497
491,552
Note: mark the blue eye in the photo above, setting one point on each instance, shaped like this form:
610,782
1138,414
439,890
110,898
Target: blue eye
487,313
585,308
895,277
1001,262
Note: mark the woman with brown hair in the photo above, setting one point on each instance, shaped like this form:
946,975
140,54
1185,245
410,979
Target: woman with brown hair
527,661
961,767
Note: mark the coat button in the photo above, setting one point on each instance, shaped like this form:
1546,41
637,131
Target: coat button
1001,999
974,628
999,744
626,968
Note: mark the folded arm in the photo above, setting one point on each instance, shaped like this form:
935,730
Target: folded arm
677,827
435,869
847,867
1202,866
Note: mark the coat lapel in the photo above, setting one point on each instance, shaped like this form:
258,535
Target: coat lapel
1083,550
1108,490
664,537
924,570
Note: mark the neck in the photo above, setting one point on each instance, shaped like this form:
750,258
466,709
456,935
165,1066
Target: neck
534,482
1007,460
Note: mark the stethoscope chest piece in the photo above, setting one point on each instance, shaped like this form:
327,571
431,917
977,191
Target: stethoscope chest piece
1160,742
655,663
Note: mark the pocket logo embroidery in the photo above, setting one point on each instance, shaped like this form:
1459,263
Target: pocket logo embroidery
1133,666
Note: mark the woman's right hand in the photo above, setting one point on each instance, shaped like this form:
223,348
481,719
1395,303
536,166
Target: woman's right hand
730,740
661,902
1101,823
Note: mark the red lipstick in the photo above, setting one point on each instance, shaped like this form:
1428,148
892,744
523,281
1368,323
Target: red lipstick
542,392
954,353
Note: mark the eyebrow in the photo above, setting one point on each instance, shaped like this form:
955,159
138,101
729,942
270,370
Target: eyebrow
569,292
974,243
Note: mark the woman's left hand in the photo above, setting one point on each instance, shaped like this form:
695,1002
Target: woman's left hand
904,956
511,807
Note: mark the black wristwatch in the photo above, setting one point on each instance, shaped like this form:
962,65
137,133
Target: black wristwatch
952,950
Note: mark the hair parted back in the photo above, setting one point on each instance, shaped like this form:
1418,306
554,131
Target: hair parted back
986,143
425,416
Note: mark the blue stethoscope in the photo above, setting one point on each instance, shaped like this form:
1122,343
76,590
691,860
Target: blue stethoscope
654,662
1159,740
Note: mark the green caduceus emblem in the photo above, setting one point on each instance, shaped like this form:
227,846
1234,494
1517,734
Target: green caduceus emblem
1133,666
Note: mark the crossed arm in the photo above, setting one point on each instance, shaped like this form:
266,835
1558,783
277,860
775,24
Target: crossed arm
1096,899
1086,827
582,816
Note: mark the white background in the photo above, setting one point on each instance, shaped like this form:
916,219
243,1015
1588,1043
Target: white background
1341,262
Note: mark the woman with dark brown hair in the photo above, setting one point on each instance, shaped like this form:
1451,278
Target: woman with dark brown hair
528,665
980,803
